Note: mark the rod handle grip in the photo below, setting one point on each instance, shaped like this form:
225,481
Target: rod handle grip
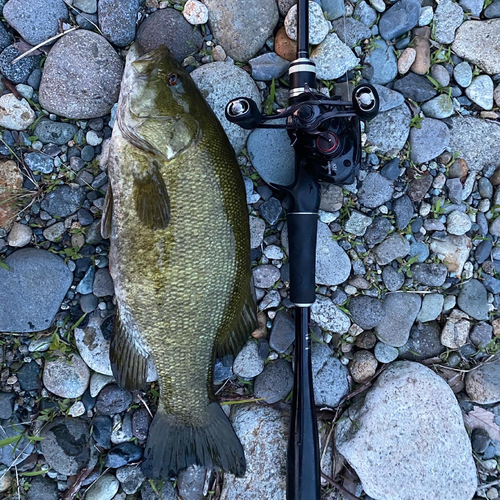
302,232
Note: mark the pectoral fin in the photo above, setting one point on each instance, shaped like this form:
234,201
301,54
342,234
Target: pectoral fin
128,356
107,214
151,198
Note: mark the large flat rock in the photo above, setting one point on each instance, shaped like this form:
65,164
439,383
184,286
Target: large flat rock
32,290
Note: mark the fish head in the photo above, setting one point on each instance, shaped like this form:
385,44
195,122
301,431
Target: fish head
160,103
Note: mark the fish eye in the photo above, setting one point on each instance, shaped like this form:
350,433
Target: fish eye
173,79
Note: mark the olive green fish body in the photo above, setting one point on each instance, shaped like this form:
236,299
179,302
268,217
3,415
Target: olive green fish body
182,271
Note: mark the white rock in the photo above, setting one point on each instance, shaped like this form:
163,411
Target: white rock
426,15
257,228
408,426
263,433
15,114
25,90
329,316
318,25
66,377
93,347
20,235
333,58
105,488
333,265
273,252
456,330
480,91
93,138
248,364
378,5
98,381
458,223
77,409
195,12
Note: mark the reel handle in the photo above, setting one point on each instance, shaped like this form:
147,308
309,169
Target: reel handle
244,112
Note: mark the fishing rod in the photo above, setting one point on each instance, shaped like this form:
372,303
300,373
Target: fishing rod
326,135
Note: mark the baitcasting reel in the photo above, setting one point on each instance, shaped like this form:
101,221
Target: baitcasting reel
324,130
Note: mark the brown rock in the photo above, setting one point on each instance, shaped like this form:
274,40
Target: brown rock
459,169
495,178
363,366
418,187
496,327
11,182
406,60
284,46
261,331
422,47
366,340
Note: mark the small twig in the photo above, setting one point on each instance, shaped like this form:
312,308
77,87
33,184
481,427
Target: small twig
10,86
222,387
141,399
339,487
77,485
83,15
49,40
18,485
365,386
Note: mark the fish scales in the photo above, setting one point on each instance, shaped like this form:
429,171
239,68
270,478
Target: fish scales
182,288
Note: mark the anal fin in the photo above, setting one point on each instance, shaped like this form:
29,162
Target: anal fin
151,198
128,356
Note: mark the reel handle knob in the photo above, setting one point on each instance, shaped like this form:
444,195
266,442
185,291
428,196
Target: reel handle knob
244,112
366,101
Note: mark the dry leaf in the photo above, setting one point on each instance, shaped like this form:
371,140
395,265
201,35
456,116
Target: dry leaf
479,418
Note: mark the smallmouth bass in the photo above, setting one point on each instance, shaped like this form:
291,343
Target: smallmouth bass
177,220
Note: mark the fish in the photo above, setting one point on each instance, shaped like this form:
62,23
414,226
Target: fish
177,219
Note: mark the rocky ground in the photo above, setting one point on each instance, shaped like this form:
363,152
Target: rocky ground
406,323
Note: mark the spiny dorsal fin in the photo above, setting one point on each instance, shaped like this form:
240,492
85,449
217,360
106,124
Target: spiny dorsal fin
129,357
151,198
107,214
245,324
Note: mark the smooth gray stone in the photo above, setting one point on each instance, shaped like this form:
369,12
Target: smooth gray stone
32,290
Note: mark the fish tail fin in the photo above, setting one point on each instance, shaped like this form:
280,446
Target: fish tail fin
172,445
